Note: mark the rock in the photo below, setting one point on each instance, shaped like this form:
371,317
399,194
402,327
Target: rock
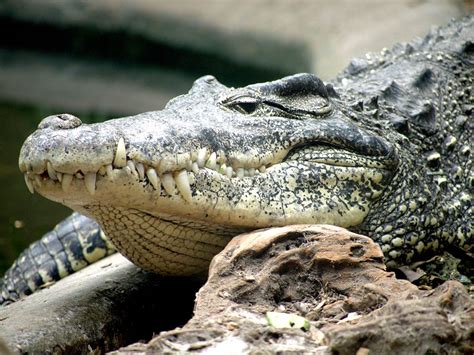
100,308
302,289
333,278
423,322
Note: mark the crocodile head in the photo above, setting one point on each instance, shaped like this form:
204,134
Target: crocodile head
171,187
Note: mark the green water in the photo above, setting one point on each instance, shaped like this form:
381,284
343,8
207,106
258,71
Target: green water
23,217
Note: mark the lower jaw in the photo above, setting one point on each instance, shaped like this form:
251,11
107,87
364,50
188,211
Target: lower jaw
165,245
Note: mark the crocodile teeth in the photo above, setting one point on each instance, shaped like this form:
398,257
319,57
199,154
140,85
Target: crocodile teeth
109,170
153,178
38,180
201,159
29,184
67,179
131,166
240,173
229,171
211,162
120,159
251,171
189,165
51,171
168,183
195,168
262,169
140,170
182,182
59,175
222,168
102,171
89,180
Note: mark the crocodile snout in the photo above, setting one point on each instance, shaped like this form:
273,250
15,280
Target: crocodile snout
61,121
61,142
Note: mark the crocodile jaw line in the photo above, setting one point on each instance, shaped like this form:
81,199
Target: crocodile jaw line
177,186
168,182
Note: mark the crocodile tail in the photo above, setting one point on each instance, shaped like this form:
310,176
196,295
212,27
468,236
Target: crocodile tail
73,244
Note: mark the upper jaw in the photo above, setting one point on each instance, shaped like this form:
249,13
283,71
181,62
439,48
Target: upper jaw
68,149
158,147
59,163
61,158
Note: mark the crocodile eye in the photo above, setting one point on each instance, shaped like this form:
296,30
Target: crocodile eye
245,107
243,104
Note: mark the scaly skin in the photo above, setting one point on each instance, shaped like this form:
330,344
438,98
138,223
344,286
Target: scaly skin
383,150
73,244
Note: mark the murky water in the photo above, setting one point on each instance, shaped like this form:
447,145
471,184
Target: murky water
23,217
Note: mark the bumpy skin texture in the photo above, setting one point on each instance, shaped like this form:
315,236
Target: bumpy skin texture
385,150
73,244
420,97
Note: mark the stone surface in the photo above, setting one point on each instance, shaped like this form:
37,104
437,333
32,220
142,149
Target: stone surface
335,279
107,305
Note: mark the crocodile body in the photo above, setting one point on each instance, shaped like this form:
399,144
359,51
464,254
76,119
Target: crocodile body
73,244
384,150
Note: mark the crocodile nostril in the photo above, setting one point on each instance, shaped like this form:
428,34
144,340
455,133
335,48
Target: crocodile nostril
61,121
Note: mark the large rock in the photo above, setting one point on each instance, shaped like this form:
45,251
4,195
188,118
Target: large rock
299,288
337,281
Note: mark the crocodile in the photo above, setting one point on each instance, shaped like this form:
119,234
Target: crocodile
384,150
